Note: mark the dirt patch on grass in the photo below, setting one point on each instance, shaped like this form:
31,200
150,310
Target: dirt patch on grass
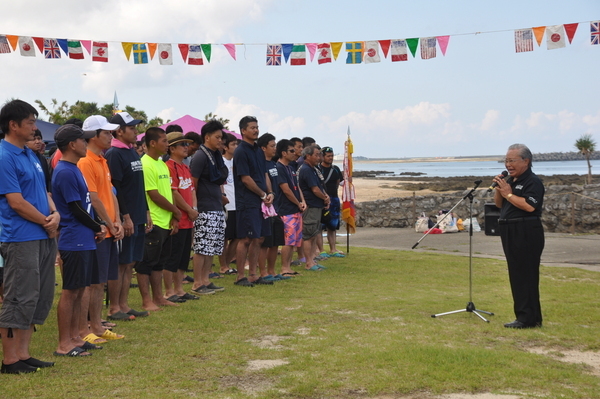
254,365
249,384
591,359
268,342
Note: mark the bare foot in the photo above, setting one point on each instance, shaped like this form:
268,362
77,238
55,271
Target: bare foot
164,302
151,308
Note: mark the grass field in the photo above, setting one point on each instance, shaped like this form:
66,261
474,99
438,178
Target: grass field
360,329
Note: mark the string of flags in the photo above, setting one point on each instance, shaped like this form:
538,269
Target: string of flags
357,52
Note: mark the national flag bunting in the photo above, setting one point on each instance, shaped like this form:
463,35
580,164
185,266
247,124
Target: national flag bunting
274,54
523,40
428,48
195,55
140,53
100,51
298,56
399,50
4,46
165,54
26,46
555,37
372,52
51,49
75,49
355,52
324,50
595,33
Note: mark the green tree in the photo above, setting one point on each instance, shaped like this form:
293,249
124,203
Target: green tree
210,116
156,121
586,145
59,113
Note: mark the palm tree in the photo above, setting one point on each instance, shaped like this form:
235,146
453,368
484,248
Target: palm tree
210,116
59,113
586,145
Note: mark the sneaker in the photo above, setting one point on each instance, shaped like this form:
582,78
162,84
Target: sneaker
262,281
19,367
213,287
244,282
204,290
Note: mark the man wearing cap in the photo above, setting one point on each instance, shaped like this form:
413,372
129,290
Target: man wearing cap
97,176
79,232
128,179
29,224
165,218
184,197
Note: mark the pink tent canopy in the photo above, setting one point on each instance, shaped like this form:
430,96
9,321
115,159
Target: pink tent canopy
189,124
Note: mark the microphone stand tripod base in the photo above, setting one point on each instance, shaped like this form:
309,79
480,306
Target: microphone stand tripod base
470,308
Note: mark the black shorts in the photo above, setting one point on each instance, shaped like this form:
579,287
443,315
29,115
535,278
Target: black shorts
157,250
230,226
181,245
77,268
277,237
107,265
252,224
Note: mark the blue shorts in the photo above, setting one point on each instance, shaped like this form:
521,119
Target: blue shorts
132,247
108,262
252,224
77,268
334,211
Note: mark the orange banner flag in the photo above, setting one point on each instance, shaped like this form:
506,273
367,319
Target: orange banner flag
13,40
539,34
152,49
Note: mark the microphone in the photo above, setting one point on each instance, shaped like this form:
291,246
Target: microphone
494,184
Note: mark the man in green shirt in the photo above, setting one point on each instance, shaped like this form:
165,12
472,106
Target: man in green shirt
165,218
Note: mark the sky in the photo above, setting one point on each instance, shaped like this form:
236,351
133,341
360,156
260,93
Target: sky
478,99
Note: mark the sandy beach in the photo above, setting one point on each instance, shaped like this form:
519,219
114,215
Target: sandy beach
369,189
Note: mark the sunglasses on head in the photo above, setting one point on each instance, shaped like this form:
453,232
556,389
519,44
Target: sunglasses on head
326,149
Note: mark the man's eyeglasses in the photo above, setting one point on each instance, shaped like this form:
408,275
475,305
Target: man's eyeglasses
511,161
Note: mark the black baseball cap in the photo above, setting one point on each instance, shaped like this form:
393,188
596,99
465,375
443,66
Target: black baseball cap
67,133
124,119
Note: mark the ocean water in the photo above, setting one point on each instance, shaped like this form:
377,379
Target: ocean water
476,168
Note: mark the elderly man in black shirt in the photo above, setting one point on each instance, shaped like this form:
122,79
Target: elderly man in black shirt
521,198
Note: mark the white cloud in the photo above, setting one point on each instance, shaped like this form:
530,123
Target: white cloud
490,119
168,114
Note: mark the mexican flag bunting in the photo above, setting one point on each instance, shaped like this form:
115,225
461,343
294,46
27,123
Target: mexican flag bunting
298,55
87,45
355,52
399,50
570,29
75,49
286,49
539,34
13,40
231,49
385,47
443,42
195,55
324,50
100,51
372,52
127,47
336,47
165,54
207,50
412,45
428,48
312,48
152,49
184,49
140,53
555,37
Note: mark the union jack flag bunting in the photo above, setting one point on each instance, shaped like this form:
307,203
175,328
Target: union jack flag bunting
274,54
51,49
595,33
523,40
4,47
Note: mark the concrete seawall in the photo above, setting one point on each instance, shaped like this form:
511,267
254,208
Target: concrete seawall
567,209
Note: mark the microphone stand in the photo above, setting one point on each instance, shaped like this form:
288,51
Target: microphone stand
471,308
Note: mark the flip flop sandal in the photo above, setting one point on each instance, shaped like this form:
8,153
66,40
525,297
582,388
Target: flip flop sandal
75,352
121,316
94,339
87,346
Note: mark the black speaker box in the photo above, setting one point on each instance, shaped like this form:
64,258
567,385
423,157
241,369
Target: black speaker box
491,216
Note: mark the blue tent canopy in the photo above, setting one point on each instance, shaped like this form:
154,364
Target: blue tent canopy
47,129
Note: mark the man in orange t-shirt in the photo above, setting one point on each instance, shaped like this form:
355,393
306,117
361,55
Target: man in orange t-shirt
97,175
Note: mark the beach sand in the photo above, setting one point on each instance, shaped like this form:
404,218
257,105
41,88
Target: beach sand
368,189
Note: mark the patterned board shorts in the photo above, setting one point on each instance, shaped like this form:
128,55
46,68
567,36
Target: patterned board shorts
209,233
293,229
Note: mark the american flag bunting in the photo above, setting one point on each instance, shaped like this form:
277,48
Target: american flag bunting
523,40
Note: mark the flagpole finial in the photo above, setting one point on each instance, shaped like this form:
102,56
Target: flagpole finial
115,102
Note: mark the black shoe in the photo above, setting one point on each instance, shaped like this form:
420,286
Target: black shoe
262,281
33,362
520,325
244,282
212,286
189,297
19,367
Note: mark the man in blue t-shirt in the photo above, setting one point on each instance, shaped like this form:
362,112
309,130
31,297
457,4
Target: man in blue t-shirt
252,189
79,231
29,224
316,199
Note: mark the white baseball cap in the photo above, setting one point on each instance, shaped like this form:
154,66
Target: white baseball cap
98,122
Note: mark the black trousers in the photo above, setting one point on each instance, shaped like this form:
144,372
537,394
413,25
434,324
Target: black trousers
523,243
